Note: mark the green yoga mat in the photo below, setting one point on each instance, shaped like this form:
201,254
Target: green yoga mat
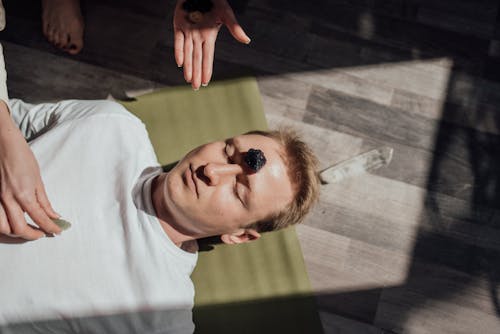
259,287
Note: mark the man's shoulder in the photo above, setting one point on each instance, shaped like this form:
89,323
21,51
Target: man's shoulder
105,116
112,110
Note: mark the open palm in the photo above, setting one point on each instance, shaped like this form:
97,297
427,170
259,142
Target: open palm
194,43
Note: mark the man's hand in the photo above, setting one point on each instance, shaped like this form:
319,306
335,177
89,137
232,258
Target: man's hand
194,43
21,187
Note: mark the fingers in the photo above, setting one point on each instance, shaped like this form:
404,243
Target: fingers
18,225
179,47
188,58
234,28
208,60
44,202
197,65
198,60
40,218
13,222
4,222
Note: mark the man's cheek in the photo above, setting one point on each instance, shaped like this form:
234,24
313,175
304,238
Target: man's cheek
220,205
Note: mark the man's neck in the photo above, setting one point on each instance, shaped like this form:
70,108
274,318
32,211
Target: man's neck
158,196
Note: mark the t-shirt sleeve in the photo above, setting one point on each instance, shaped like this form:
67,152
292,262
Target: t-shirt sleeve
36,119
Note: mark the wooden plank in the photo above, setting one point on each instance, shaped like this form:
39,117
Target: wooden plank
276,107
403,34
422,105
284,90
364,118
360,305
416,136
482,27
329,146
333,323
281,40
337,264
69,79
435,299
393,215
324,254
372,209
341,81
428,78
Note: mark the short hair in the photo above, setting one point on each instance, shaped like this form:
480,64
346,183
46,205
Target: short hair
302,170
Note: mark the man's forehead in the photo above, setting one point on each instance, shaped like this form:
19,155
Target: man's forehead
246,140
272,181
272,189
269,146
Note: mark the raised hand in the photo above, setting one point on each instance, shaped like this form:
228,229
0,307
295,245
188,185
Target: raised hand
194,39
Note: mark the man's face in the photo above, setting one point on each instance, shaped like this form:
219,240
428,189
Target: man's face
212,191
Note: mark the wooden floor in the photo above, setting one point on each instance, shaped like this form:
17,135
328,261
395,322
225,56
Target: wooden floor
411,248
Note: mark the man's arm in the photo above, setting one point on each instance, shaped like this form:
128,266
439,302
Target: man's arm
21,186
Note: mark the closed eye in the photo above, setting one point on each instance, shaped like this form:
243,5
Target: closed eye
236,182
237,194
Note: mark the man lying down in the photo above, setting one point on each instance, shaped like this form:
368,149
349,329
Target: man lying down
132,244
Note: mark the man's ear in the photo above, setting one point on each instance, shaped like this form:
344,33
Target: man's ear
240,236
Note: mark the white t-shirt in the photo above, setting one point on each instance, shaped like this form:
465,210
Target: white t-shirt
97,164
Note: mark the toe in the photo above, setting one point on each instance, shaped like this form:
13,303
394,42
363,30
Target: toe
61,40
48,34
74,49
52,36
66,42
45,29
75,45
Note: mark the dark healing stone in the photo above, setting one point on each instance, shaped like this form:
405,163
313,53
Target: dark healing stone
197,5
255,159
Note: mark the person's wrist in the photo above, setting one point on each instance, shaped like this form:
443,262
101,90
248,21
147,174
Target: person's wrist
8,129
4,108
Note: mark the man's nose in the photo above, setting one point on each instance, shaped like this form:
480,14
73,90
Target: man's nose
216,172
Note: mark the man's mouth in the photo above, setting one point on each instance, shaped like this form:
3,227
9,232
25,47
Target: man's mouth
200,175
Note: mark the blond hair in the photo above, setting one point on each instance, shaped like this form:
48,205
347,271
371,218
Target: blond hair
302,170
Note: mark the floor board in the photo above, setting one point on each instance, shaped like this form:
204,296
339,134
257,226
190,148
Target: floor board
410,248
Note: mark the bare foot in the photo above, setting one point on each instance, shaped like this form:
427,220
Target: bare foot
62,23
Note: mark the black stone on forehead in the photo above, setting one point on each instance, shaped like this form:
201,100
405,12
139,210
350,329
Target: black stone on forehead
197,5
255,159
